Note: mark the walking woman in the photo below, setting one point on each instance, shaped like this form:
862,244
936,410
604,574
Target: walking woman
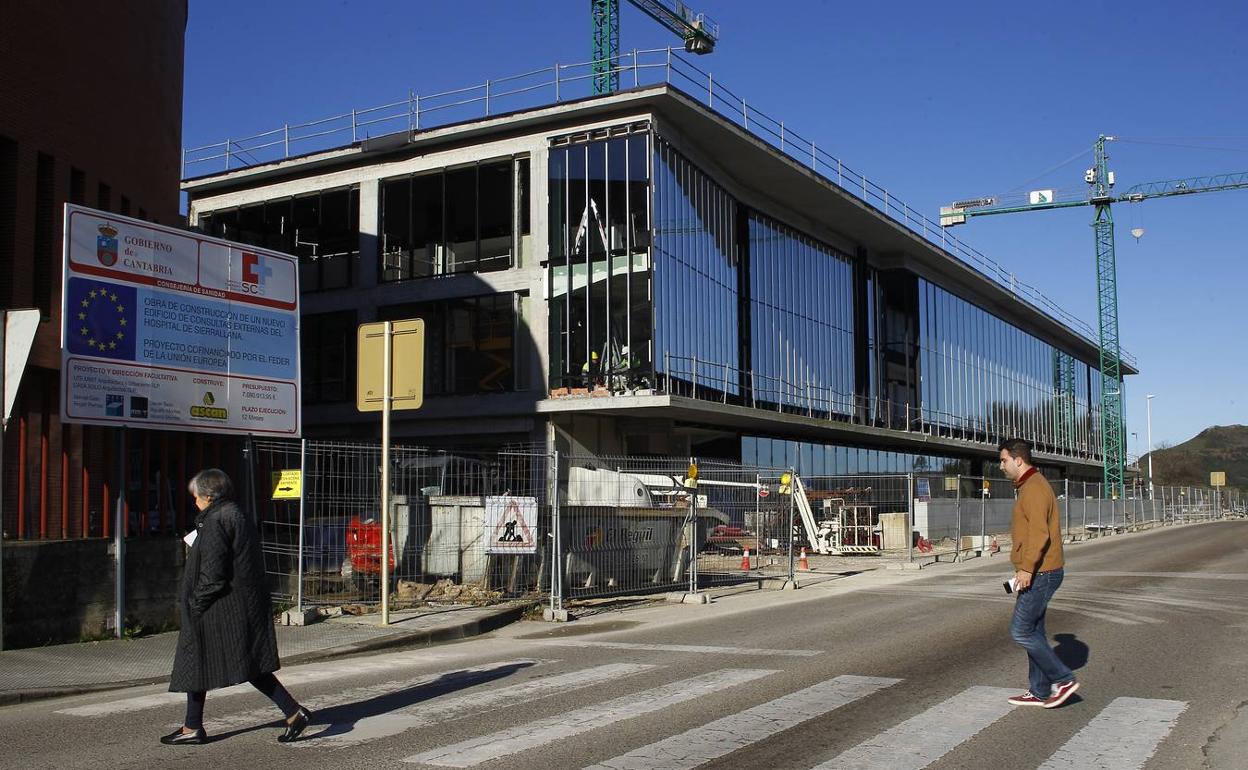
227,620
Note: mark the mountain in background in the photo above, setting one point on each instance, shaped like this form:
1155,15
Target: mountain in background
1220,448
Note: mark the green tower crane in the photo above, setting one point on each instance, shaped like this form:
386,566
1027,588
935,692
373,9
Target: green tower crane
1100,182
699,33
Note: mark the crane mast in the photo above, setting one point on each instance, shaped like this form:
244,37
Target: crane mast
1101,181
697,31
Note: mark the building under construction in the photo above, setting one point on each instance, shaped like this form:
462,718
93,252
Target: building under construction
662,270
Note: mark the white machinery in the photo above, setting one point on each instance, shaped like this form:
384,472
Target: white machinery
844,528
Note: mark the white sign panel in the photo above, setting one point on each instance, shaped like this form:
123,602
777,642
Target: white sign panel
169,329
510,524
1041,196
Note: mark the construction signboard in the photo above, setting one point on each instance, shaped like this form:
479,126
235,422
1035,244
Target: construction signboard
169,329
510,524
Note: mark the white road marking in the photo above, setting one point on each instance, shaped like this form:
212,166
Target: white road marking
695,648
292,677
1122,737
540,732
444,709
921,740
724,736
458,678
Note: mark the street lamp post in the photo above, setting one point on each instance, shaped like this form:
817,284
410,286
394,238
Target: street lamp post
1149,400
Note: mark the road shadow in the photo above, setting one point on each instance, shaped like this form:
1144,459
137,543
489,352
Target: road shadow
342,718
1071,651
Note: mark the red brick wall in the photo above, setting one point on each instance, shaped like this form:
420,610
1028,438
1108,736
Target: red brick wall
97,87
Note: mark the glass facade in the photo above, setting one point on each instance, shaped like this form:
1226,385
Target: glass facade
600,291
696,269
813,459
457,220
983,375
327,344
801,319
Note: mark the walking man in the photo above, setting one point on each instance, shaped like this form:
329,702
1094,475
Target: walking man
1036,552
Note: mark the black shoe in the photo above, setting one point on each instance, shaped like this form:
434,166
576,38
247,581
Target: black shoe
179,738
295,729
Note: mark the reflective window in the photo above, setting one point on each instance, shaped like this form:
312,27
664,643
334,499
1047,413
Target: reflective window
600,295
695,272
986,378
801,319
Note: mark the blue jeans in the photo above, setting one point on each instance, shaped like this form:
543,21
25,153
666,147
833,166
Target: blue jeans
1044,668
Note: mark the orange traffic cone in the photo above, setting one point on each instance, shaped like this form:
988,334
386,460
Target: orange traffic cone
745,560
802,562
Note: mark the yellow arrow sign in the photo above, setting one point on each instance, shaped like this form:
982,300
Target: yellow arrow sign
287,484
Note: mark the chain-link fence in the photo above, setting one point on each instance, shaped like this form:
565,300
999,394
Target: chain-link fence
489,526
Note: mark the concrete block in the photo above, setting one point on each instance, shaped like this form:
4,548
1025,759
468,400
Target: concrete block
678,597
556,616
304,617
790,585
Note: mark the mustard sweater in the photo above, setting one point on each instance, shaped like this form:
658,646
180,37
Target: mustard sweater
1036,528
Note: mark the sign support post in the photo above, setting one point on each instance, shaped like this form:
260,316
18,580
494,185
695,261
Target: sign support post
387,367
409,337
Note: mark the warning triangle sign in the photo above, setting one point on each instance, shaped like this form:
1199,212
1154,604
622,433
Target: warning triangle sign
512,531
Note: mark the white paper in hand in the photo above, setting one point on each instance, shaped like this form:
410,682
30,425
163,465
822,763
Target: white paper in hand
1010,585
190,538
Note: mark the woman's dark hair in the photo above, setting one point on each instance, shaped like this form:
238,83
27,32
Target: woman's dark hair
213,484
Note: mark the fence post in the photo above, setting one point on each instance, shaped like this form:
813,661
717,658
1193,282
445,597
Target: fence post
983,514
789,537
417,112
710,90
693,532
556,562
1066,497
286,139
303,491
957,548
227,154
782,136
668,76
487,98
636,77
910,516
556,82
745,115
353,128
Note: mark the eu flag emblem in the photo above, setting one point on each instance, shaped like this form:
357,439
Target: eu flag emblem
100,319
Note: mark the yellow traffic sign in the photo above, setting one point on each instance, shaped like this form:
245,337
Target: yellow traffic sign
407,365
1217,478
287,484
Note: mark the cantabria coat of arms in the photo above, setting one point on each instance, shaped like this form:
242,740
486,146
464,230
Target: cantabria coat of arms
106,245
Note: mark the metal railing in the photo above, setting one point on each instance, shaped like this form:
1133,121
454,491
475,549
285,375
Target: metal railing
565,82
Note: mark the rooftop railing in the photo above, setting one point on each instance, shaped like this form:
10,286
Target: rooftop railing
567,82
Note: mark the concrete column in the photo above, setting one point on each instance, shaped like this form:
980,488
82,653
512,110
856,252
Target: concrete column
370,237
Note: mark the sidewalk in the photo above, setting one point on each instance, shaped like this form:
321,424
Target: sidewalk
68,669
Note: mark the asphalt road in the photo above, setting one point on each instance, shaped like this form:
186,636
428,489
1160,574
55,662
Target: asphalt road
882,671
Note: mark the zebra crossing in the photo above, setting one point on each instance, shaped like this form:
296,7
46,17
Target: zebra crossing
1121,736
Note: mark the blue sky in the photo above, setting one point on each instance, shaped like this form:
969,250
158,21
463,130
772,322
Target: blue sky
936,101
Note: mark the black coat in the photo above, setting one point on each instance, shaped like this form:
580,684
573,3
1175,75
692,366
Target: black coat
227,618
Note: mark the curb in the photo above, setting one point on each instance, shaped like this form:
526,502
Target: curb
398,640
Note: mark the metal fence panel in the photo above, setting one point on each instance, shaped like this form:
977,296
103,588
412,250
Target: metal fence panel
325,548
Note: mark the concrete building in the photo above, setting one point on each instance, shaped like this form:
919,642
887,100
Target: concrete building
639,273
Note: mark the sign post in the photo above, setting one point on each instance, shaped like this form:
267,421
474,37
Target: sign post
376,389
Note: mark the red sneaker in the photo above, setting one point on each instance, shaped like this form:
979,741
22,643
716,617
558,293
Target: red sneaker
1026,699
1061,692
